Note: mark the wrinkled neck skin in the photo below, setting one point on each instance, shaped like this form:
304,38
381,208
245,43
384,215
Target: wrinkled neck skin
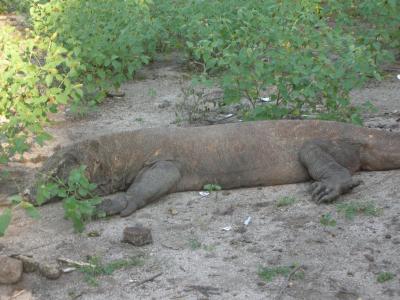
380,150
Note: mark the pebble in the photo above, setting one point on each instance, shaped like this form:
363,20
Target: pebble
10,270
30,265
369,257
396,241
137,236
164,104
50,270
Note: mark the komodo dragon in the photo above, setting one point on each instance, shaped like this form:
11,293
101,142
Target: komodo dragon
138,167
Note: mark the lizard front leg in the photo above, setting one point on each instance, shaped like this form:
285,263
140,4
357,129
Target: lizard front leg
332,179
151,183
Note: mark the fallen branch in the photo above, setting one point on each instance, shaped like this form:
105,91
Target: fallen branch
205,290
74,262
149,279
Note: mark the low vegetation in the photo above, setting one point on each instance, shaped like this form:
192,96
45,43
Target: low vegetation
327,220
77,196
384,276
268,274
285,201
353,208
97,268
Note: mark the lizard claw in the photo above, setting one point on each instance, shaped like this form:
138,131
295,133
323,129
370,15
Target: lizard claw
112,205
131,208
325,192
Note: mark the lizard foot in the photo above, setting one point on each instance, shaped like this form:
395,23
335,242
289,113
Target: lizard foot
112,205
326,192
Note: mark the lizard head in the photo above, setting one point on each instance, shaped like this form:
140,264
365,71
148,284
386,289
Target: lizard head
57,167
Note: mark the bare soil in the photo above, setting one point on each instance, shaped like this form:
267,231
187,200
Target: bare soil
196,258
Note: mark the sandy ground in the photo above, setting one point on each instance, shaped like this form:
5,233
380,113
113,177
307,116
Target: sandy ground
193,256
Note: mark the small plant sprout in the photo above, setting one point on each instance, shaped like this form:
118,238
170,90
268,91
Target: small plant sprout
384,276
327,220
285,201
268,274
96,268
351,209
194,244
152,93
212,187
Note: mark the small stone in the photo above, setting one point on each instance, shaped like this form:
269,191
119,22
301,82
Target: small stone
261,283
137,236
240,229
10,270
388,236
369,257
172,211
164,104
30,265
228,211
93,233
396,241
50,271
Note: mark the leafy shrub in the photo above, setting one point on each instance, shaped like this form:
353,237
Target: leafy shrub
36,76
79,202
307,54
13,5
16,202
111,39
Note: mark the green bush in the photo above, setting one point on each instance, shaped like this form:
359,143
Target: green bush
36,76
308,54
76,192
112,39
15,6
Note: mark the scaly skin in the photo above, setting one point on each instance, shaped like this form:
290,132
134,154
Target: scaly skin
146,164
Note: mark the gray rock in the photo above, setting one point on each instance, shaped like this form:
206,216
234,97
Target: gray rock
10,270
164,104
137,236
30,265
50,270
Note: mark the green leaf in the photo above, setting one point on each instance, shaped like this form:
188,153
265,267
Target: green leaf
15,199
5,220
42,137
49,80
212,187
31,211
83,192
